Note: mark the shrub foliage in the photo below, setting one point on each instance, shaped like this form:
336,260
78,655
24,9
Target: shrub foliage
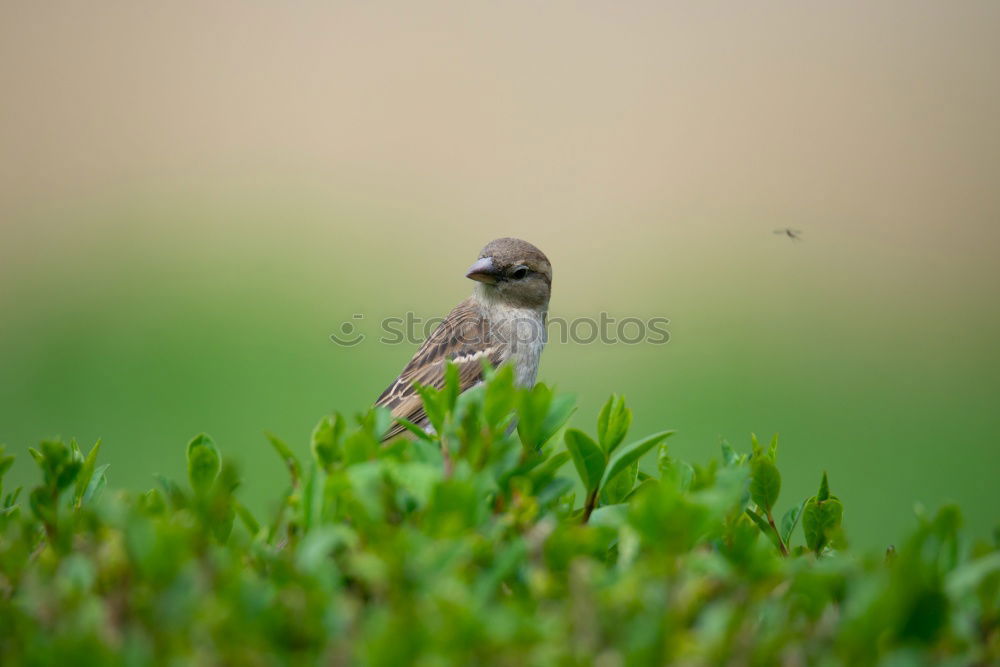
480,544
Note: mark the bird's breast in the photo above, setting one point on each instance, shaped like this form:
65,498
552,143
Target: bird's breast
522,333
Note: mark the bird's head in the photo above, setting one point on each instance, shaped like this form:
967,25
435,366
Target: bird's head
513,272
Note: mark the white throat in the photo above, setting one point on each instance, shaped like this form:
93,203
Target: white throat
521,331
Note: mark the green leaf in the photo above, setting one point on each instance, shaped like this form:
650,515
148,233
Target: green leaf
617,488
451,385
632,452
613,423
435,405
414,429
549,468
96,484
765,483
506,561
359,446
613,516
764,527
313,555
824,489
643,485
533,404
67,473
377,422
86,473
247,518
500,396
532,409
59,463
540,415
790,520
524,467
204,463
325,441
729,455
10,499
588,458
821,520
42,505
6,461
604,419
560,410
37,456
760,521
970,575
289,458
152,502
454,508
678,473
174,493
551,491
309,494
222,525
416,478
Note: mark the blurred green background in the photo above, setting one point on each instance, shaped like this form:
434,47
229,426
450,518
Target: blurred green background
193,198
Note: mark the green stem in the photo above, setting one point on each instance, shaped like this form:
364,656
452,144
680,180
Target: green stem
446,454
588,508
781,543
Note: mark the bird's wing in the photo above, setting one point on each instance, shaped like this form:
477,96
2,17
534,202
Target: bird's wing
464,339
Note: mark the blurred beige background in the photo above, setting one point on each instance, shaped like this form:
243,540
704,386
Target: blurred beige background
194,195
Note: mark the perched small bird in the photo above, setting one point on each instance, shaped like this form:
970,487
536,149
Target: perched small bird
502,322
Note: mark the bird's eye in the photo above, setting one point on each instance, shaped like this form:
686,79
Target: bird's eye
519,273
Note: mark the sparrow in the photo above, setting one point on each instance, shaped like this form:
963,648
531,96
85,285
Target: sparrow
502,322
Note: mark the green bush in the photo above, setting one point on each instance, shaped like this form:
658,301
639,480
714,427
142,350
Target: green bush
477,546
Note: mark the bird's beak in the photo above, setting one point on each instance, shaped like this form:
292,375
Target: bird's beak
483,271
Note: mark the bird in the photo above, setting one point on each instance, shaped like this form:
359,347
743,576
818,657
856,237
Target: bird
794,234
502,322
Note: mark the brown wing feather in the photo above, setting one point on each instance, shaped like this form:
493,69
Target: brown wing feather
464,339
